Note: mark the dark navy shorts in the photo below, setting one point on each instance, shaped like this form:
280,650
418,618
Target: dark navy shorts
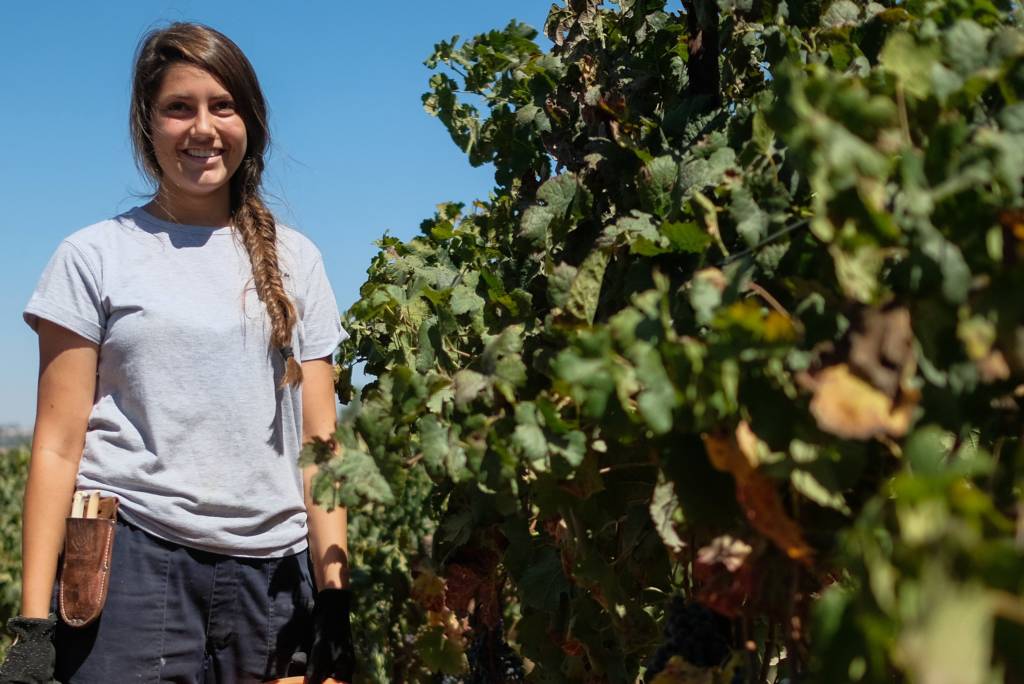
176,614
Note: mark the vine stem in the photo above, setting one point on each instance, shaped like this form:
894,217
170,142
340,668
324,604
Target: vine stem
772,301
771,238
769,643
792,652
901,105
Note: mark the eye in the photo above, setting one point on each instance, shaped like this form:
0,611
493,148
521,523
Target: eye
225,106
176,107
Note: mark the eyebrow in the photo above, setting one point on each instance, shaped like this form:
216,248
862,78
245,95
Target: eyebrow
182,96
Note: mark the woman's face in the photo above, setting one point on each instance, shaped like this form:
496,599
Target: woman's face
198,136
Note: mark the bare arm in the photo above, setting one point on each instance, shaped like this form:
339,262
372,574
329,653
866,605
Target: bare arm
328,532
67,385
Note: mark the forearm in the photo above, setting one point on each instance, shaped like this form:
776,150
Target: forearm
328,532
47,503
328,539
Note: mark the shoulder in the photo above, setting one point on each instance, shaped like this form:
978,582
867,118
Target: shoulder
100,231
97,239
298,248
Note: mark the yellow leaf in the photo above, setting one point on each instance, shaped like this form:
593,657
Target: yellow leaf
778,328
750,446
725,455
978,335
849,407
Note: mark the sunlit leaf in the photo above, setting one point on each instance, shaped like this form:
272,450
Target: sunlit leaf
849,407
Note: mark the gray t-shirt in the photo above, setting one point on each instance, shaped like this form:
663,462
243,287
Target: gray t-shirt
187,427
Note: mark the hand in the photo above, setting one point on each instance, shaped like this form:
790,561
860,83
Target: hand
30,660
332,654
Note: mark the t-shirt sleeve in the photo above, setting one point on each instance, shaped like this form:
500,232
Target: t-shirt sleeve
321,321
68,294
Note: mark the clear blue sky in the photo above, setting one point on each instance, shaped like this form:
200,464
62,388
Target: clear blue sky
353,154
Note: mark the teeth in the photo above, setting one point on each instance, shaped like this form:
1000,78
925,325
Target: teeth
202,153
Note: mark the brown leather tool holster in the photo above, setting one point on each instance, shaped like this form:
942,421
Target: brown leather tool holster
85,572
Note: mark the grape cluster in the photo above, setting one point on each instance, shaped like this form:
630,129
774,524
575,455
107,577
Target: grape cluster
491,661
699,635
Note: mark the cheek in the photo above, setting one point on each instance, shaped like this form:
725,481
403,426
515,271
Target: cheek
165,152
164,140
240,139
238,147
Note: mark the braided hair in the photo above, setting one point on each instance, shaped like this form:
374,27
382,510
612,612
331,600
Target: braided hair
212,51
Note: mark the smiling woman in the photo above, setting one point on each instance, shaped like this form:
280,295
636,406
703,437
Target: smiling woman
199,140
192,400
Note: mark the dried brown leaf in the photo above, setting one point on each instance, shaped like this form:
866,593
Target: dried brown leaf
757,493
848,407
882,349
760,500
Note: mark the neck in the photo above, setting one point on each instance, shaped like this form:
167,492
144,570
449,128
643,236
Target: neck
202,210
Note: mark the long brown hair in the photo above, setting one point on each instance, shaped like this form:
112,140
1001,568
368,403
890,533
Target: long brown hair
215,53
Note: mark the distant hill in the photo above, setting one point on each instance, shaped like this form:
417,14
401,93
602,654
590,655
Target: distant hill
12,435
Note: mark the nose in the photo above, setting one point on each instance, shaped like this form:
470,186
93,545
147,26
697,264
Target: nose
202,124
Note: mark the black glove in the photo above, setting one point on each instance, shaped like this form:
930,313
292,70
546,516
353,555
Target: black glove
30,660
331,654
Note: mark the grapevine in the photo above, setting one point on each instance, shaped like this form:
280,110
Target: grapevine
736,323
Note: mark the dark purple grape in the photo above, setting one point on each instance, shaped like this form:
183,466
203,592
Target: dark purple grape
491,660
694,632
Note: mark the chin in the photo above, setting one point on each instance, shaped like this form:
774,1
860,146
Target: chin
204,187
198,190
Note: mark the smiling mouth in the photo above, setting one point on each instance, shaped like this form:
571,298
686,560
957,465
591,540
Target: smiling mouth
201,153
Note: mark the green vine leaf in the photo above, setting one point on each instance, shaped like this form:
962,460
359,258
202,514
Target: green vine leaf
745,279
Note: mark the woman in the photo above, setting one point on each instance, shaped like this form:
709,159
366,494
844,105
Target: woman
188,345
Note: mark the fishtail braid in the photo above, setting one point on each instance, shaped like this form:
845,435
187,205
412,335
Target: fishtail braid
258,231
